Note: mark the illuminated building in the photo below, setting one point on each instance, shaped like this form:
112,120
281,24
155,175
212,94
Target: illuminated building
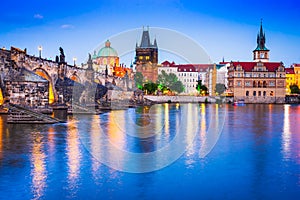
107,57
189,74
146,58
259,81
290,79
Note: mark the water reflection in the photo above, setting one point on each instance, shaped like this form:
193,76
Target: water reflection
38,171
202,124
96,145
286,135
259,147
1,137
73,156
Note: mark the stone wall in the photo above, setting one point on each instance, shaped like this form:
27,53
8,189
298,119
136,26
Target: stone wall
267,99
28,94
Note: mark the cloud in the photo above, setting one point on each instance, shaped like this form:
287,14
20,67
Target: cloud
38,16
67,26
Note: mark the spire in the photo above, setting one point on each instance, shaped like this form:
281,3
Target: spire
145,43
261,39
155,43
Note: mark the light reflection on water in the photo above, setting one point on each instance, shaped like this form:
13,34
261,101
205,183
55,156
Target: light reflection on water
257,155
38,171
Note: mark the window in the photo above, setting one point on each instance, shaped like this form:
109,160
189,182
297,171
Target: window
141,57
265,93
259,93
272,83
254,84
147,57
247,83
247,93
254,93
271,93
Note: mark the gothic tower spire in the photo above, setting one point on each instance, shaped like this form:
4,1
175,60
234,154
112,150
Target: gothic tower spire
261,53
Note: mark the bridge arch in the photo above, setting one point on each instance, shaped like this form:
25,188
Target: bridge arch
43,73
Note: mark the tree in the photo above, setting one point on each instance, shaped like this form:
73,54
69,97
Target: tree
220,88
177,87
170,81
138,79
294,89
150,87
198,86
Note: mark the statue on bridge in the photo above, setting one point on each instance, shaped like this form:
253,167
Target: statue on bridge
62,55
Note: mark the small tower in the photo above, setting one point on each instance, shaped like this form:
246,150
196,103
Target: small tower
90,71
261,53
146,52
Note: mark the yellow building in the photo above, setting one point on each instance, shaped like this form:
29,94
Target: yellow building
297,74
290,79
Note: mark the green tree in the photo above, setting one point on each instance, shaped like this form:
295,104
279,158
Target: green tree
177,87
220,88
170,81
138,79
198,86
150,87
294,89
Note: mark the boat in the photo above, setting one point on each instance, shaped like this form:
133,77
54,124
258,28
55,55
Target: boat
240,102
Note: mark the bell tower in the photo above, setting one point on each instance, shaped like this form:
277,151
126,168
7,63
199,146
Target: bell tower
261,53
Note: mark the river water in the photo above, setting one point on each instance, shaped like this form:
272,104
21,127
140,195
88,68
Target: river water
167,151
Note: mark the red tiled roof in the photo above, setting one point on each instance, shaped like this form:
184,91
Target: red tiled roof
248,66
194,67
296,65
289,70
168,64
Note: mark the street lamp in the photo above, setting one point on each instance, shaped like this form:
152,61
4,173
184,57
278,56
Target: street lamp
40,48
74,59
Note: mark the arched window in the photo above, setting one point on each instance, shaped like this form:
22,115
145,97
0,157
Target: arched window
254,93
259,93
265,84
254,84
265,93
259,84
247,93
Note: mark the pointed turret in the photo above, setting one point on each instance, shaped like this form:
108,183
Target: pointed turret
145,43
261,39
261,53
155,43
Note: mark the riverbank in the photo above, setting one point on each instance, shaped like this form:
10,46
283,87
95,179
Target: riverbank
187,99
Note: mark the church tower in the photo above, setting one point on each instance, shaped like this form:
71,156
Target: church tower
146,57
261,53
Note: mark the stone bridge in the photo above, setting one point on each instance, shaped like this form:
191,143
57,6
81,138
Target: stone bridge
52,70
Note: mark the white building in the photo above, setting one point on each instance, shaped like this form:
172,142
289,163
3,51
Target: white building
188,74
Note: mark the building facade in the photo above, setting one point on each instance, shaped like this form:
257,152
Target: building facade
189,74
259,81
146,57
106,59
290,79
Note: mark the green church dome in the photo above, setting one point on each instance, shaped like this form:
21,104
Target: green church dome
107,50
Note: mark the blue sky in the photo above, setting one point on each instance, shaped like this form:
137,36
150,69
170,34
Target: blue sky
223,28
